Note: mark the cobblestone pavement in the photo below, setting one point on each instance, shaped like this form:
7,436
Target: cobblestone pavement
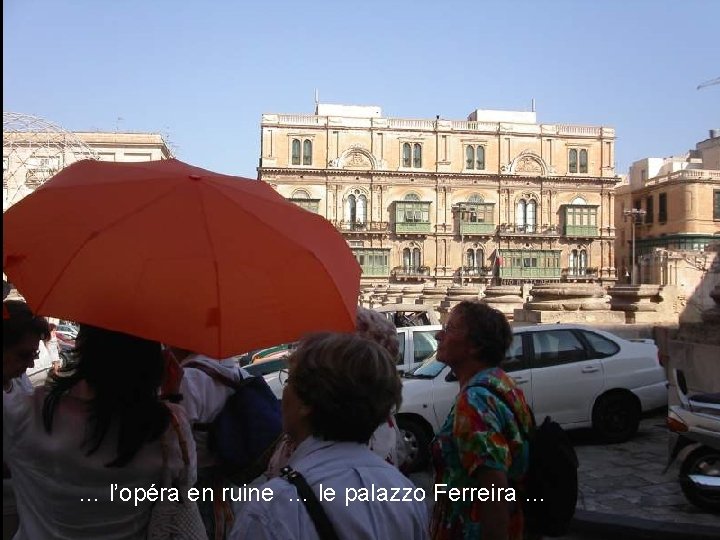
626,480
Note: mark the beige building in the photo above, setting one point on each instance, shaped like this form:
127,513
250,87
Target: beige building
30,158
680,197
497,198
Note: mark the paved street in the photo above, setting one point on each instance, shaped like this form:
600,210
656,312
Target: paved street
624,483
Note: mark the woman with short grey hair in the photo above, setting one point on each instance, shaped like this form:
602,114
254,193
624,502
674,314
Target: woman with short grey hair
339,389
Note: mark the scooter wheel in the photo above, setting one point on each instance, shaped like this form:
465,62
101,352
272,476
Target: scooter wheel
705,461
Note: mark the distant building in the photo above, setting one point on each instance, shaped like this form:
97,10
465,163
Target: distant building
31,157
681,200
497,198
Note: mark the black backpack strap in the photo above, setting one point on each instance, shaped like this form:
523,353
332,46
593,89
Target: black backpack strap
324,528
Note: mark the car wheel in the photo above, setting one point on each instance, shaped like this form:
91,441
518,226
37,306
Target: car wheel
417,444
702,461
616,417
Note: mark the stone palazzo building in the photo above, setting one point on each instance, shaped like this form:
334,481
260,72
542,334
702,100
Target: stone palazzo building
495,199
680,196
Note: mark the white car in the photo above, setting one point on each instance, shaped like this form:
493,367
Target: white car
579,376
417,344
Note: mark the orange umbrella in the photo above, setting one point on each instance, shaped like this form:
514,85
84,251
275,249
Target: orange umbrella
163,250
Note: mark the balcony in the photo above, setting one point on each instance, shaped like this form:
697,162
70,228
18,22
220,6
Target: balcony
508,229
518,272
581,231
375,271
473,272
368,227
579,274
402,227
410,273
468,228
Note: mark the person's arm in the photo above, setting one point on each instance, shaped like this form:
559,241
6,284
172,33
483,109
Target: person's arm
485,455
494,515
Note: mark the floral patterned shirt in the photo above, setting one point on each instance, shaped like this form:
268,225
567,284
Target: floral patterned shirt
480,431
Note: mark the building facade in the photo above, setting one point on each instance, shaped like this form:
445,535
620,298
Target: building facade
494,199
31,158
680,198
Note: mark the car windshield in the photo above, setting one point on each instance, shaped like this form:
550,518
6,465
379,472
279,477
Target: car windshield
429,369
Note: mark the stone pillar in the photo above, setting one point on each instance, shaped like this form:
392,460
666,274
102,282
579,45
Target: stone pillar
568,302
504,298
379,296
697,349
411,294
394,294
644,303
455,295
432,296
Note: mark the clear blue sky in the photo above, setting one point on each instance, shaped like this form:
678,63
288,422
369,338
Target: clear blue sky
204,71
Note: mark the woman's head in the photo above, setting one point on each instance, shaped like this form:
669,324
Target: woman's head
22,332
124,372
340,388
378,328
474,331
116,363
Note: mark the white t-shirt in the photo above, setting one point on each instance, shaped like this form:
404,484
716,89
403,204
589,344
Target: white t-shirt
204,397
64,494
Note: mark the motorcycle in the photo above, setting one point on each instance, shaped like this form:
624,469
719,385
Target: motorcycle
694,442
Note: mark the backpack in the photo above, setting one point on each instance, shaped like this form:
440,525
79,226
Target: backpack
244,433
552,482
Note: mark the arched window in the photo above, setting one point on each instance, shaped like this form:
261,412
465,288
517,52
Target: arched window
350,209
407,155
407,259
525,215
479,257
530,216
417,155
300,194
296,151
520,213
361,211
307,152
573,161
412,197
469,157
417,260
577,262
579,200
480,158
583,161
470,258
475,199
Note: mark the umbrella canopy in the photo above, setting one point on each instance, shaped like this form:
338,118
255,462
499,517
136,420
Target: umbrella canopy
166,251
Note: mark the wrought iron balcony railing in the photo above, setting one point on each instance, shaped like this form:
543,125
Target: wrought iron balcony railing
528,230
411,271
367,226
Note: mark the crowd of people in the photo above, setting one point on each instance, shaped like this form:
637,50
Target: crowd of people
129,415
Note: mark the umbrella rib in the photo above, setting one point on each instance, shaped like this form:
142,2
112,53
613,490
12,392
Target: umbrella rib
215,263
93,235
